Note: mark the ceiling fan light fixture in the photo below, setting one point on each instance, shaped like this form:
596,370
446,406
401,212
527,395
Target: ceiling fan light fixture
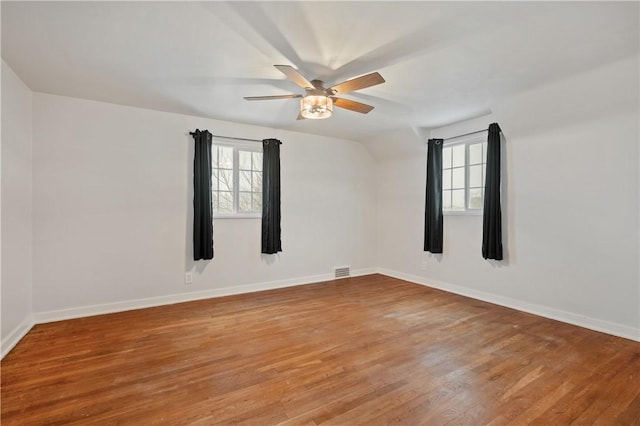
316,107
318,101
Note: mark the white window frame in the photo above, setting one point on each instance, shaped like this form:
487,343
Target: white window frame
467,141
237,146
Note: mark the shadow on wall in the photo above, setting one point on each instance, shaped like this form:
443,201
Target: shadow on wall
269,259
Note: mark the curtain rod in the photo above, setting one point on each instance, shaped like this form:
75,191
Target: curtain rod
465,134
230,137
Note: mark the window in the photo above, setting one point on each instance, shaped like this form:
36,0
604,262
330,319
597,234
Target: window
236,179
463,172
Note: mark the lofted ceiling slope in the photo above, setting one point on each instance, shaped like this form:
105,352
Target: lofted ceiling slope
443,62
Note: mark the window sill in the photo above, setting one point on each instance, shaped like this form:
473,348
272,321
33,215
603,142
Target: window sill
464,213
238,216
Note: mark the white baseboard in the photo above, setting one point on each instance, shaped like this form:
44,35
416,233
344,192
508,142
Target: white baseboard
15,336
84,311
108,308
615,329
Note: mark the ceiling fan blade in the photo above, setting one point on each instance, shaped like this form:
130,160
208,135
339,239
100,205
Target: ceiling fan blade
266,98
352,105
357,83
295,76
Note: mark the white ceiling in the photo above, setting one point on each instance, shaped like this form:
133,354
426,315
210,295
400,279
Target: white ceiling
443,62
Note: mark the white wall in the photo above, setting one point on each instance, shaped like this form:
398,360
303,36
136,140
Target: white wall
16,208
112,192
570,206
113,206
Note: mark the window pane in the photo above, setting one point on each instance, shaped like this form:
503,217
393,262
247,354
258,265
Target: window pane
214,179
245,180
257,202
225,202
214,200
475,153
236,180
484,173
457,155
225,157
244,160
446,158
457,199
225,182
457,177
475,176
256,185
475,198
484,152
214,156
244,202
446,200
446,179
257,160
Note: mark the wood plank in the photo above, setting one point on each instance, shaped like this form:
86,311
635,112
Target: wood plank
367,350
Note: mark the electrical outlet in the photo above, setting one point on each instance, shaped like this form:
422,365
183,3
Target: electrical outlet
188,278
423,265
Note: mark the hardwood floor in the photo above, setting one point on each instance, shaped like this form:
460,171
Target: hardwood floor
369,350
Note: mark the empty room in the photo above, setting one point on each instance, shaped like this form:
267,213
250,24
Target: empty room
320,213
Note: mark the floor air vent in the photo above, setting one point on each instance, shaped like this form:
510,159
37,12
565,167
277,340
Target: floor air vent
342,271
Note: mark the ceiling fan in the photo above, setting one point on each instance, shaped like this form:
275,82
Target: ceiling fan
318,101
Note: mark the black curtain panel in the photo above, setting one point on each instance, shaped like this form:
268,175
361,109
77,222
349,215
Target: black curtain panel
433,210
492,214
271,196
202,208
